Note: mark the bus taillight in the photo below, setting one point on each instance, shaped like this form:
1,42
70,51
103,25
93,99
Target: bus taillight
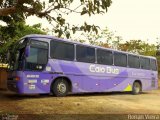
17,78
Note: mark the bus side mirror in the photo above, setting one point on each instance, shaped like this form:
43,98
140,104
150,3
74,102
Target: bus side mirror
27,51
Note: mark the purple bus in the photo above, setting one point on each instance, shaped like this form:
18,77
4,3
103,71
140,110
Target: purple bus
46,64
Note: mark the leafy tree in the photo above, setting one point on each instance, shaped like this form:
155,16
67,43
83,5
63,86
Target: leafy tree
12,33
14,13
108,39
139,46
105,39
54,11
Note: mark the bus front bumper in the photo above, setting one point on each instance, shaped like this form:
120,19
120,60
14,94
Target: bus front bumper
12,86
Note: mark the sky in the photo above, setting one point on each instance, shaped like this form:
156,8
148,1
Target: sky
131,19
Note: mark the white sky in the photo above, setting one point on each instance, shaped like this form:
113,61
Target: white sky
131,19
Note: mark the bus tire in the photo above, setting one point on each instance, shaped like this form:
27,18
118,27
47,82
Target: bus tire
60,87
136,89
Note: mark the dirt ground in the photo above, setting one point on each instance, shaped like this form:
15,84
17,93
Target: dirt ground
95,105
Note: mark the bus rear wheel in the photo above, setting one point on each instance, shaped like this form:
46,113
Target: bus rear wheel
136,89
60,87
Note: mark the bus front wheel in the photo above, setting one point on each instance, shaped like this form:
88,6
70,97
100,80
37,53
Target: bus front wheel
60,87
136,89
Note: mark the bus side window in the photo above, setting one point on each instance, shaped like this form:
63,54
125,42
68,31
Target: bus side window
61,50
104,57
153,65
133,61
145,63
120,59
85,54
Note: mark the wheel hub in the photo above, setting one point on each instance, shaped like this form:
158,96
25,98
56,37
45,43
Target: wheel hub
137,88
61,88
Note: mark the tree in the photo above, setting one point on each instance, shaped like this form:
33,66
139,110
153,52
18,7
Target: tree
139,47
14,13
54,11
14,32
109,40
106,39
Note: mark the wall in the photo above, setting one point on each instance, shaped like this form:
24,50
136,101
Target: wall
3,78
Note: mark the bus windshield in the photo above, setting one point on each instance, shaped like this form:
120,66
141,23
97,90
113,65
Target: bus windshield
38,55
35,59
17,55
18,65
